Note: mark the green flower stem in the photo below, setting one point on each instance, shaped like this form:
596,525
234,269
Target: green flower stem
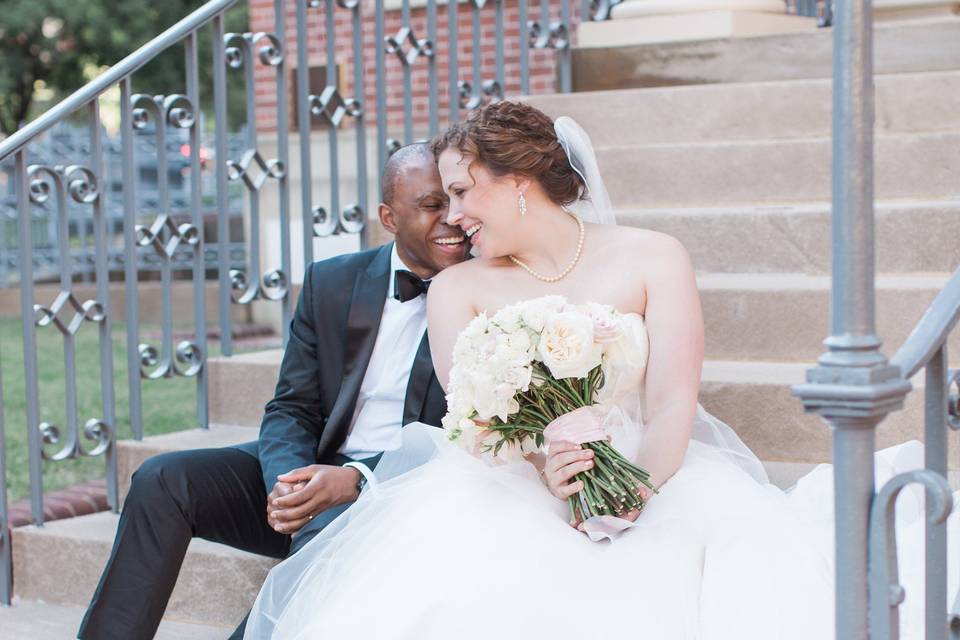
563,392
599,482
572,502
610,497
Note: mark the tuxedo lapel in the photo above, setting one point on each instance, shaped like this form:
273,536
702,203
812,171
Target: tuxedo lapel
420,375
363,323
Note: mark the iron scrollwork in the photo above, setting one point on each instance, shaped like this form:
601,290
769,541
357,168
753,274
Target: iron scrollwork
350,220
600,9
80,184
886,600
273,285
333,107
490,91
238,46
164,236
556,35
96,431
407,47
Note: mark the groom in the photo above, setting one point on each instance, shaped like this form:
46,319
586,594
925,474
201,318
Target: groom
357,366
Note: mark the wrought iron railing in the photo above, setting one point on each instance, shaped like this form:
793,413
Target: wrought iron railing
68,141
925,348
854,386
174,243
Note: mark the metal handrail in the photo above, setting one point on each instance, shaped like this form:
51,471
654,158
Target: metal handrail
113,75
931,331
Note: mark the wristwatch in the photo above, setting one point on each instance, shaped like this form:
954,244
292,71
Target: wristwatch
362,481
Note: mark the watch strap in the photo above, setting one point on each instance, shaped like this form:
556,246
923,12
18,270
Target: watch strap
367,479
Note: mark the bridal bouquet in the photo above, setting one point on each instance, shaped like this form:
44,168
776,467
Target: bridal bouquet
534,372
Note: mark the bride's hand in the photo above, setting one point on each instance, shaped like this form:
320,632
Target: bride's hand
564,461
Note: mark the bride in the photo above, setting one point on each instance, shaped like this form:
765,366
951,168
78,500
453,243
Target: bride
457,548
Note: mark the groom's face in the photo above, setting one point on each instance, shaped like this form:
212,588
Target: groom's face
416,215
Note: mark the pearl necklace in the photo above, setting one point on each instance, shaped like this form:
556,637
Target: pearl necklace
563,274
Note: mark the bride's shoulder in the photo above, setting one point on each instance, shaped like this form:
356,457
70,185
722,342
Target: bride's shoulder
452,279
645,245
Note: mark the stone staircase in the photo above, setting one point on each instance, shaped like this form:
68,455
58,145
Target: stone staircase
741,174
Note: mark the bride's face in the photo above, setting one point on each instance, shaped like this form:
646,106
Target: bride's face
482,204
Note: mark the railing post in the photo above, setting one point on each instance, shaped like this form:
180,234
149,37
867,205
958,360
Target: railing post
303,128
935,459
853,387
223,204
283,155
196,219
107,405
129,174
29,337
6,551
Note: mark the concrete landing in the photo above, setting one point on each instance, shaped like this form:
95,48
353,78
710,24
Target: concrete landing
38,620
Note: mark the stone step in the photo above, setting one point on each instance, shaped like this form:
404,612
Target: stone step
910,236
776,57
60,563
785,317
40,620
754,399
241,385
765,316
675,175
752,110
132,453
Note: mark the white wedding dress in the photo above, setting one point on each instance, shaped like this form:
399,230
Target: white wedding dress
458,549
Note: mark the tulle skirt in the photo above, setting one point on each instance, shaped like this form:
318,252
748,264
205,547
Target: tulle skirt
459,549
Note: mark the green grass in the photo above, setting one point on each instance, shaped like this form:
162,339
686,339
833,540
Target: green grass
169,404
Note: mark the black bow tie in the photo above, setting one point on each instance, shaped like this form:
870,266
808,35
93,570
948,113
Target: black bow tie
407,285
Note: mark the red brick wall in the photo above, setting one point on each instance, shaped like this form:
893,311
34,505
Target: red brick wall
542,62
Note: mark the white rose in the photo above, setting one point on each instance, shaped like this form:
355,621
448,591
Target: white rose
483,395
606,326
476,327
534,313
514,349
518,377
630,351
465,351
451,424
567,347
486,347
506,405
521,342
508,318
459,404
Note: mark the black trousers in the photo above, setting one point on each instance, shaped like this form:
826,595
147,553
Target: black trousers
215,494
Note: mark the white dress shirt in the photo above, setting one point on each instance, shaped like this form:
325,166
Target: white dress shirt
378,416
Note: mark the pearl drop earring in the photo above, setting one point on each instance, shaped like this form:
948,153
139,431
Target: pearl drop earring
522,203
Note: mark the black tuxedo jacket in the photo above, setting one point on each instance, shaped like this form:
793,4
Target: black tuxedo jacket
332,335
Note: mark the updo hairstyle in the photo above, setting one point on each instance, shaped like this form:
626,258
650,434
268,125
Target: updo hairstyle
515,138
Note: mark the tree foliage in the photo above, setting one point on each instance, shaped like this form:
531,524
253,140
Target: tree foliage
60,42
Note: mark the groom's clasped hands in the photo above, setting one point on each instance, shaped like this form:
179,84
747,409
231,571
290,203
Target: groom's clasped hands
304,492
